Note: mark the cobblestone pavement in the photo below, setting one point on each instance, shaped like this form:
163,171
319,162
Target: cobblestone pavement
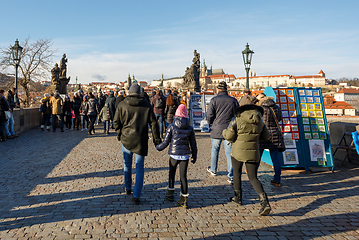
70,186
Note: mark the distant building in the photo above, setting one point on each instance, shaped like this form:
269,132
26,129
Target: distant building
285,80
348,95
142,83
45,83
175,82
337,108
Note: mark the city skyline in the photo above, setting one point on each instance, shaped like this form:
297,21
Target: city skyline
106,41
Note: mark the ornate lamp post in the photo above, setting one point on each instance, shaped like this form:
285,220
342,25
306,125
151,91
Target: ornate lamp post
16,56
247,59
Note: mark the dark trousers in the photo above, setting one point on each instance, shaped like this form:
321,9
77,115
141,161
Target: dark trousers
183,165
46,119
251,172
106,125
77,121
2,131
61,121
68,121
92,119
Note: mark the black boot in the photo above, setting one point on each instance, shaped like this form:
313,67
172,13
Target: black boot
265,207
183,201
170,195
237,197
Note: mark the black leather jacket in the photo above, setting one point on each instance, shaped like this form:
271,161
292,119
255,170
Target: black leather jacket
181,138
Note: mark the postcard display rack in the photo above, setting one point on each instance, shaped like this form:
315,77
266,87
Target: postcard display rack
304,127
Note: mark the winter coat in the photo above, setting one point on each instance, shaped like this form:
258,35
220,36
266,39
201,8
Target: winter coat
181,138
56,103
4,106
83,108
67,107
131,121
105,113
46,100
221,110
170,111
153,103
119,99
244,131
145,96
10,99
111,100
276,138
92,107
76,104
101,102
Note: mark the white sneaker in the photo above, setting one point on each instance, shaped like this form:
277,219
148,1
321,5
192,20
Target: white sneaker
82,130
211,172
230,180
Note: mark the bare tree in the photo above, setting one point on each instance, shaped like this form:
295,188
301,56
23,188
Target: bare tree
34,66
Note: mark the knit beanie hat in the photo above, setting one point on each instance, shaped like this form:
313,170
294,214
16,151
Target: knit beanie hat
135,89
222,86
181,111
67,97
85,96
46,95
246,100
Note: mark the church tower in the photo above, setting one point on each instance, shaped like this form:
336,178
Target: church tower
129,81
203,69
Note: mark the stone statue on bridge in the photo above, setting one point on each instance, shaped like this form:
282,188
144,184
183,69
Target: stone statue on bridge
59,80
191,77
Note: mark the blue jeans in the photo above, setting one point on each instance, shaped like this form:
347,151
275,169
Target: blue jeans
274,154
9,126
127,169
216,145
106,125
159,118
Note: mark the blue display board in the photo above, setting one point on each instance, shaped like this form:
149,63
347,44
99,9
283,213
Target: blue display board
304,127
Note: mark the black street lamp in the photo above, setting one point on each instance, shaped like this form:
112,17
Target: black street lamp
247,59
16,56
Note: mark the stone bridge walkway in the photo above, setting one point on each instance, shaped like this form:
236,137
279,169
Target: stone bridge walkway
70,186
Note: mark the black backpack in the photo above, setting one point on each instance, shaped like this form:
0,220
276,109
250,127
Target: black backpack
43,107
159,103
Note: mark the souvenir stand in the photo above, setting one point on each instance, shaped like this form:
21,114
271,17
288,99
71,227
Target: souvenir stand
195,110
305,130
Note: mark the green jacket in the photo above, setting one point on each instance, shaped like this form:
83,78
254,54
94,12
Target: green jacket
245,131
131,121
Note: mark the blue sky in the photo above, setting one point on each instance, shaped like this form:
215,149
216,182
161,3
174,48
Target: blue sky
107,40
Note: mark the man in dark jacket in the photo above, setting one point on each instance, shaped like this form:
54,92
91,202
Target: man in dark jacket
119,98
111,100
76,104
131,121
9,126
220,112
4,106
158,103
92,111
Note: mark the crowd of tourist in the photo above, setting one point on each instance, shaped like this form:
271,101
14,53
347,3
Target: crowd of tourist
246,127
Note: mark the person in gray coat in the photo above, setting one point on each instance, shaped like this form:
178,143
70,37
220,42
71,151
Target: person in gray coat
220,112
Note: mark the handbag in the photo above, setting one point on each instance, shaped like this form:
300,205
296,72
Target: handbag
280,149
7,115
